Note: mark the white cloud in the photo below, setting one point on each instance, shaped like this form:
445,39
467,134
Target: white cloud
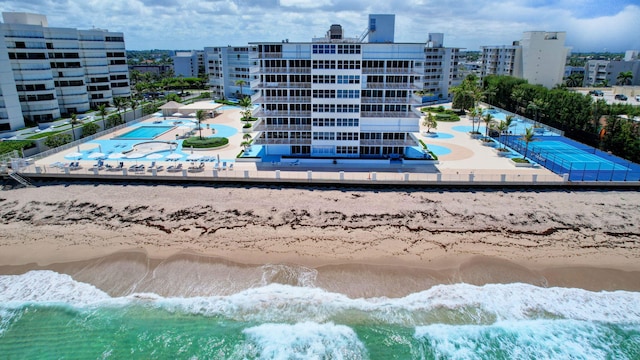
194,24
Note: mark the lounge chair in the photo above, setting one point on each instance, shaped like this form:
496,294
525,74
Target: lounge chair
174,168
224,165
75,166
159,168
230,166
216,166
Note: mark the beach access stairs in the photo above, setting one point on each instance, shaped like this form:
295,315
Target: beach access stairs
22,180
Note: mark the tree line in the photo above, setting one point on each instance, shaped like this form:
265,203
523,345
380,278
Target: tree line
609,127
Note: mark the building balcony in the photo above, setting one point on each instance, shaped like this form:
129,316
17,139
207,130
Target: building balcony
266,141
371,85
281,113
388,100
416,70
389,114
405,142
282,99
257,84
264,127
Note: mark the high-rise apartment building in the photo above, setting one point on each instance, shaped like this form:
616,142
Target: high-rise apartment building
338,97
56,71
539,58
228,67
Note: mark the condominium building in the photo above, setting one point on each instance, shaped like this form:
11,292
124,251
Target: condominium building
188,63
228,69
539,58
56,71
605,72
441,71
338,97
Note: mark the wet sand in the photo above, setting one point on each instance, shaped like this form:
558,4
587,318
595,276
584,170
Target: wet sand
199,240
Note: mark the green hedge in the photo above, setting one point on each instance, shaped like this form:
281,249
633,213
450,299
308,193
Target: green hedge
44,134
204,143
10,145
226,102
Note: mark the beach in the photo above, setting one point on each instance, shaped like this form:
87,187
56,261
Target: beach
262,272
585,239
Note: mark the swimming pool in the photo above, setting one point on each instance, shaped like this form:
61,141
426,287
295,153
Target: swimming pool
581,162
144,133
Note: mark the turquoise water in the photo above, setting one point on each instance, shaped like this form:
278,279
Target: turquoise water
145,132
47,315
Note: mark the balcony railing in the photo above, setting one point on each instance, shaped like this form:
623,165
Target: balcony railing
389,114
264,127
266,141
281,113
405,142
392,86
282,99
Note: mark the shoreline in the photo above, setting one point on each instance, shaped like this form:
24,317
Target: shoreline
188,274
360,242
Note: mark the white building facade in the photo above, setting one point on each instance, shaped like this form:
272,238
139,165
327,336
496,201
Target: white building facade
338,97
57,71
227,67
539,58
188,63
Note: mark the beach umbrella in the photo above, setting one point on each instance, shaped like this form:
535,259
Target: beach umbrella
174,156
74,155
192,114
176,114
97,155
116,156
154,156
194,157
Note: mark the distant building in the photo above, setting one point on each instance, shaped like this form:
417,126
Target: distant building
225,66
188,63
601,72
150,68
539,58
338,97
51,72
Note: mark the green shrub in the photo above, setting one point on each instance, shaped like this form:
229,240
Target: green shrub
520,160
56,140
10,145
89,129
43,135
226,102
204,143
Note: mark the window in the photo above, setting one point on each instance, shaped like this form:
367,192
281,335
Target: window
323,135
346,149
323,49
348,79
347,136
349,49
20,45
348,94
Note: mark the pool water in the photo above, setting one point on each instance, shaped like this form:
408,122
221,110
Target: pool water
145,132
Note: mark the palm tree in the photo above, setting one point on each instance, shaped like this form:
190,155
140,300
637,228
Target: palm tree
502,127
241,83
74,121
200,115
245,104
119,103
574,80
487,119
624,78
102,110
535,106
527,137
133,103
508,121
246,137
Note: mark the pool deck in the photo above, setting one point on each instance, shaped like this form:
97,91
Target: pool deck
468,160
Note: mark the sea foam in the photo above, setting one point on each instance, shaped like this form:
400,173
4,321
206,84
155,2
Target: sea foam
531,339
306,340
278,303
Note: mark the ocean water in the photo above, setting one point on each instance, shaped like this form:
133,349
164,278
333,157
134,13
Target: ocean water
47,315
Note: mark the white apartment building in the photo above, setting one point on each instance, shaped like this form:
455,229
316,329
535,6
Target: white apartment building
338,97
226,65
441,71
56,71
188,63
539,58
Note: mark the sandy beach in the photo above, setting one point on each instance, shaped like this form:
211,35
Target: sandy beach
179,240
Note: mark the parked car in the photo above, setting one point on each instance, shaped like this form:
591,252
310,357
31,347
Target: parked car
638,98
596,93
622,97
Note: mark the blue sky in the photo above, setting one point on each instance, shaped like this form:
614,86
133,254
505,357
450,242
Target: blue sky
602,25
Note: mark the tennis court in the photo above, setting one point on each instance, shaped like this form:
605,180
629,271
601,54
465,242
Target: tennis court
581,162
